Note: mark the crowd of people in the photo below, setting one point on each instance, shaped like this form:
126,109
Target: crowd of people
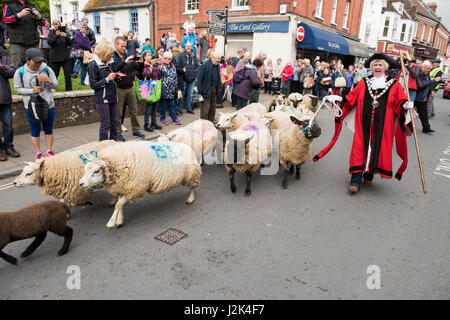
112,65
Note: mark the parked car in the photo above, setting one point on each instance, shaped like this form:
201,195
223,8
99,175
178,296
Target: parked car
447,89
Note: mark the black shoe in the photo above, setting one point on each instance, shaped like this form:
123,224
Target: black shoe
74,75
429,131
148,128
219,106
120,138
191,112
137,134
155,126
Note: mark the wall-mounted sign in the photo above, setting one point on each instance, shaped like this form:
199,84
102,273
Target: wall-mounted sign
395,49
258,26
300,34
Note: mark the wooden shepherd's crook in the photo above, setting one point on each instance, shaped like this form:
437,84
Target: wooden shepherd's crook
403,55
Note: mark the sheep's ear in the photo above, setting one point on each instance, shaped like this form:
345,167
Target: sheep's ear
233,116
314,100
41,164
221,113
297,122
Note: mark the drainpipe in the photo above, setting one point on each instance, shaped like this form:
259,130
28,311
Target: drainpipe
151,9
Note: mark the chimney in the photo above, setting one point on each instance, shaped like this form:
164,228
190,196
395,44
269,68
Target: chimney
432,6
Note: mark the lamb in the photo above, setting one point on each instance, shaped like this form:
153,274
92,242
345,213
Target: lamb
129,170
278,100
58,176
200,135
295,140
34,221
257,142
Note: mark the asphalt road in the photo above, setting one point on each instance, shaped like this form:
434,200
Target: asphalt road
311,241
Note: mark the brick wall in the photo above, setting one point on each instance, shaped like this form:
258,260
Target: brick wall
71,108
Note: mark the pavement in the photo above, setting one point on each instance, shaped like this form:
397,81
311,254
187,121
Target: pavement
310,241
69,137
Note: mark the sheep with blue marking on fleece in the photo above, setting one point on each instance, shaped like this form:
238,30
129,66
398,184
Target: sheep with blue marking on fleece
234,120
200,135
129,170
252,144
58,176
295,138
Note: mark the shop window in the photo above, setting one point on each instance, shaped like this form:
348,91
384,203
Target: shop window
319,6
191,6
134,21
97,23
386,26
347,9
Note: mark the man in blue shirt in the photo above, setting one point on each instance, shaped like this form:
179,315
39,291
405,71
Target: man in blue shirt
192,38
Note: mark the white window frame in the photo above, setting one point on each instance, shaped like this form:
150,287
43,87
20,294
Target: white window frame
394,29
367,32
333,12
403,32
430,31
410,34
236,7
186,11
76,13
346,12
319,8
424,27
388,21
58,10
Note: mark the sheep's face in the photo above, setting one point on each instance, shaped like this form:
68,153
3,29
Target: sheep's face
310,131
29,175
94,174
224,121
295,98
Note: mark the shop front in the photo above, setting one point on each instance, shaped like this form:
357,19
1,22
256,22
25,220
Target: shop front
425,52
394,49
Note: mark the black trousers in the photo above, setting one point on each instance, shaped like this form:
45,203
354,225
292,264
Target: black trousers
423,115
56,66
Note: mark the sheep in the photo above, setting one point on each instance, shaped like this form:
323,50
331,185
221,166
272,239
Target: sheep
299,111
295,140
200,135
58,176
278,100
294,99
35,221
129,170
277,118
257,142
254,107
310,102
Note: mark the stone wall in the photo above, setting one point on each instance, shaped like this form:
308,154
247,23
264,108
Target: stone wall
71,109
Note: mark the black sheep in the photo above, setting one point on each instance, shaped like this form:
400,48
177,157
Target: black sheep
34,221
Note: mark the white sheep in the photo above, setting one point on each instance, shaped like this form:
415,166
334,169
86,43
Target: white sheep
200,135
295,140
58,176
254,142
278,100
311,102
129,170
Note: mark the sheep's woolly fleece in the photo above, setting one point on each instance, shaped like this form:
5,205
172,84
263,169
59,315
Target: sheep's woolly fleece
257,150
200,135
294,147
59,175
136,167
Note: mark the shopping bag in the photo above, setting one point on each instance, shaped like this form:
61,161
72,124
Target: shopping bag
148,90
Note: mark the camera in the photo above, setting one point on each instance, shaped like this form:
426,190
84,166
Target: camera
62,29
136,58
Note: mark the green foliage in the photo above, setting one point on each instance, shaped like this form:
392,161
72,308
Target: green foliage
43,7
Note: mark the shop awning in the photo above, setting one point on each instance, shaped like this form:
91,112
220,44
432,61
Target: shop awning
313,38
357,49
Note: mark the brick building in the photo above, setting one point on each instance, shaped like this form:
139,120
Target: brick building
272,26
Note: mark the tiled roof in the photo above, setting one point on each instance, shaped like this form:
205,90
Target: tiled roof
419,7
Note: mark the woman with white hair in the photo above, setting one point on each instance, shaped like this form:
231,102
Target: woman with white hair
169,82
374,110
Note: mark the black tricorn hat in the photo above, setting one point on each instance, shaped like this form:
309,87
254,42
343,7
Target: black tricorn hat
380,55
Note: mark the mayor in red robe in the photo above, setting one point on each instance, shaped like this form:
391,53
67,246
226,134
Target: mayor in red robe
377,104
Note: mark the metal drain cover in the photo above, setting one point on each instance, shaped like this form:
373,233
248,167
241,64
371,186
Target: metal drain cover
171,236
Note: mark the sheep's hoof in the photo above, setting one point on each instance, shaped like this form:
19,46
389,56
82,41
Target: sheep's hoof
233,188
247,193
68,216
61,253
283,186
189,202
25,254
297,176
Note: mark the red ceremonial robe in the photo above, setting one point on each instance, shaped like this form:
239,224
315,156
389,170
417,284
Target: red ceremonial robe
388,121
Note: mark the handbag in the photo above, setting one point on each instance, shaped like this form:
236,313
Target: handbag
148,90
308,82
76,53
340,82
226,74
87,55
38,108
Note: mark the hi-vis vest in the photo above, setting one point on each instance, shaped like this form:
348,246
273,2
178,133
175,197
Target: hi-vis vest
433,74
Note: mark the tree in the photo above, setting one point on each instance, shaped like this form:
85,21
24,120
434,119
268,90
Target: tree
43,7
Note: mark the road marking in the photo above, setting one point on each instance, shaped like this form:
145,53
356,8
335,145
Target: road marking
6,186
443,168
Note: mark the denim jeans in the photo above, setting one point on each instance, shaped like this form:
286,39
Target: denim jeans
187,91
77,65
6,119
150,109
179,104
83,73
357,178
172,109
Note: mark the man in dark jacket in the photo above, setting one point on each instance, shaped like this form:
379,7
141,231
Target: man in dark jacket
7,71
59,42
2,36
208,85
125,88
189,63
89,32
424,88
132,44
21,19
